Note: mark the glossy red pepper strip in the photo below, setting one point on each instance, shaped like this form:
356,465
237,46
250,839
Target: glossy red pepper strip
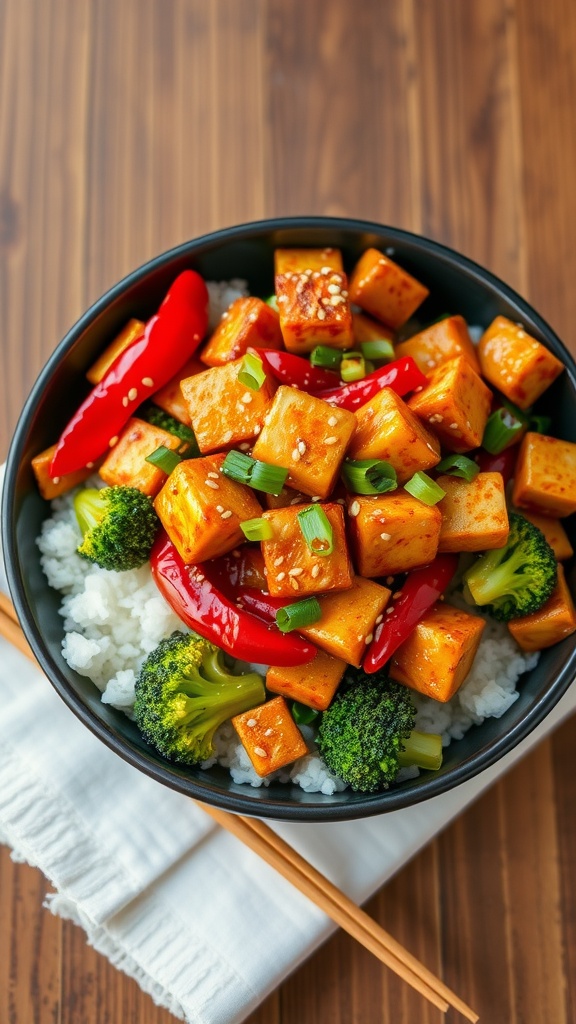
169,339
401,376
191,593
504,463
296,371
421,590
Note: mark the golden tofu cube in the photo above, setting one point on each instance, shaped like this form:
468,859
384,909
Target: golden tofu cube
349,619
387,429
551,623
129,333
438,343
292,569
554,532
270,736
545,479
247,323
474,514
314,309
170,397
201,509
306,436
51,487
437,656
387,291
125,464
392,533
515,363
224,412
455,404
313,684
304,261
367,329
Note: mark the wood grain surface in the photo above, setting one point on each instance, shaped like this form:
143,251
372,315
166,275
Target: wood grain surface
126,128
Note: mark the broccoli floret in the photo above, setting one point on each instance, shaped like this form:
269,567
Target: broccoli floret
118,526
158,418
516,579
367,734
184,692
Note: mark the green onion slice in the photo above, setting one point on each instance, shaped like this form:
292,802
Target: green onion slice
380,350
369,476
316,530
352,367
503,428
251,372
326,357
298,615
256,529
458,465
302,714
272,301
424,488
164,458
259,475
540,424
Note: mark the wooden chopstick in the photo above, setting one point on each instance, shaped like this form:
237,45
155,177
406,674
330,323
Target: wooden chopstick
296,869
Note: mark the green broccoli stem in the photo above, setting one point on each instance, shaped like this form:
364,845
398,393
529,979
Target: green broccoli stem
423,749
491,577
89,509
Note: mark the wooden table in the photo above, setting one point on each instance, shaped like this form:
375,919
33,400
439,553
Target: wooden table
126,128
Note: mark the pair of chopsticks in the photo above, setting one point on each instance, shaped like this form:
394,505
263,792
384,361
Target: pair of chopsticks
278,854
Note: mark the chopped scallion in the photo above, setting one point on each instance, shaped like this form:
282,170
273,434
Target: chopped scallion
352,367
380,350
259,475
369,476
326,357
317,530
302,714
298,615
540,424
256,529
458,465
164,458
251,372
504,427
424,488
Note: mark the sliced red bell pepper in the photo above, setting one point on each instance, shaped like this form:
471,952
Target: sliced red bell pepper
190,592
401,376
421,590
503,463
296,371
169,339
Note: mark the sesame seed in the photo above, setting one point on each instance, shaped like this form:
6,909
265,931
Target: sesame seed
354,508
453,426
244,447
340,501
330,440
295,572
295,455
389,580
213,476
55,479
133,394
113,440
301,447
360,638
379,619
295,501
385,536
396,595
321,314
124,401
389,611
210,483
431,363
260,751
219,508
257,429
236,553
227,436
294,583
344,293
332,421
251,723
226,515
315,571
280,577
337,299
333,289
89,465
369,638
246,398
317,497
279,560
252,318
269,732
325,270
148,382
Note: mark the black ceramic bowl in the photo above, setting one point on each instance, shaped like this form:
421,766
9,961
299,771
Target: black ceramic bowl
456,284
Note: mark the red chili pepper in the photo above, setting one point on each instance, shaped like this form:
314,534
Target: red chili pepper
503,463
261,604
169,339
296,371
192,595
402,376
421,590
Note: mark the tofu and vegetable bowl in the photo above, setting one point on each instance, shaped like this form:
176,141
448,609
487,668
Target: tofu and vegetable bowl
289,518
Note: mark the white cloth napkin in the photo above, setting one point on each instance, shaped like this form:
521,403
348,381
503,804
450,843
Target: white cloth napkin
205,926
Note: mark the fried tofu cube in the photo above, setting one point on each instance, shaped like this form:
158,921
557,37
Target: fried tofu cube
387,429
247,323
366,329
292,569
52,487
288,496
455,404
515,363
303,261
314,309
170,397
437,656
392,533
129,333
554,532
201,509
224,412
437,344
125,464
306,436
244,567
349,619
387,291
545,479
551,623
270,736
474,514
313,684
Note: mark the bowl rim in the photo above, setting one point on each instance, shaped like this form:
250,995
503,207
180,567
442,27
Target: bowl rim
364,805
